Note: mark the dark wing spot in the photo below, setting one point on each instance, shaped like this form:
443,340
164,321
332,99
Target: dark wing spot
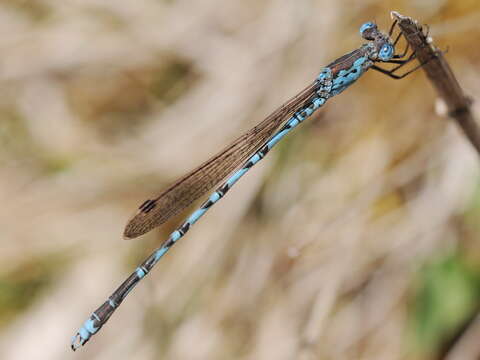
147,206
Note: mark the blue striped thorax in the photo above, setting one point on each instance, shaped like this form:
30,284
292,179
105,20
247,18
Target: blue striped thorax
345,70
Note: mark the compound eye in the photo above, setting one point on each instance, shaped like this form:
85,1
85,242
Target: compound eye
386,52
367,29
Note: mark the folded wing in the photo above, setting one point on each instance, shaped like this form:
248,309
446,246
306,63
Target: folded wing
197,182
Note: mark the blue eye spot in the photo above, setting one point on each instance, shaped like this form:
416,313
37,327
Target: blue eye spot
386,52
366,26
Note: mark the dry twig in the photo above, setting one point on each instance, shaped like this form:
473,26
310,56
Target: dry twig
441,76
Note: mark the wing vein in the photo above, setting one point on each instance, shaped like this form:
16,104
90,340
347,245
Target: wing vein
205,177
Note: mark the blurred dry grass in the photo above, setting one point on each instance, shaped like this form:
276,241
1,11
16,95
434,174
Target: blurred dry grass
356,239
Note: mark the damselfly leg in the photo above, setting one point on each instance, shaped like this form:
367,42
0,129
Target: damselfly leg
399,59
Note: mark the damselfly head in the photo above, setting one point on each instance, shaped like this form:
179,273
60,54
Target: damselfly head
384,47
368,30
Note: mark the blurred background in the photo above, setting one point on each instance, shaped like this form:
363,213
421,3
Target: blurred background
357,238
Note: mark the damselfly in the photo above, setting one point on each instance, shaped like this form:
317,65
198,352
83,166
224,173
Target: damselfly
240,156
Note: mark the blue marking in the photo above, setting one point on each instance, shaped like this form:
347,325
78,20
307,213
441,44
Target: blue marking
325,74
386,52
318,102
160,252
112,304
214,197
140,272
84,334
255,158
294,120
359,61
276,138
366,26
196,215
346,77
89,325
87,330
175,235
237,175
74,340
